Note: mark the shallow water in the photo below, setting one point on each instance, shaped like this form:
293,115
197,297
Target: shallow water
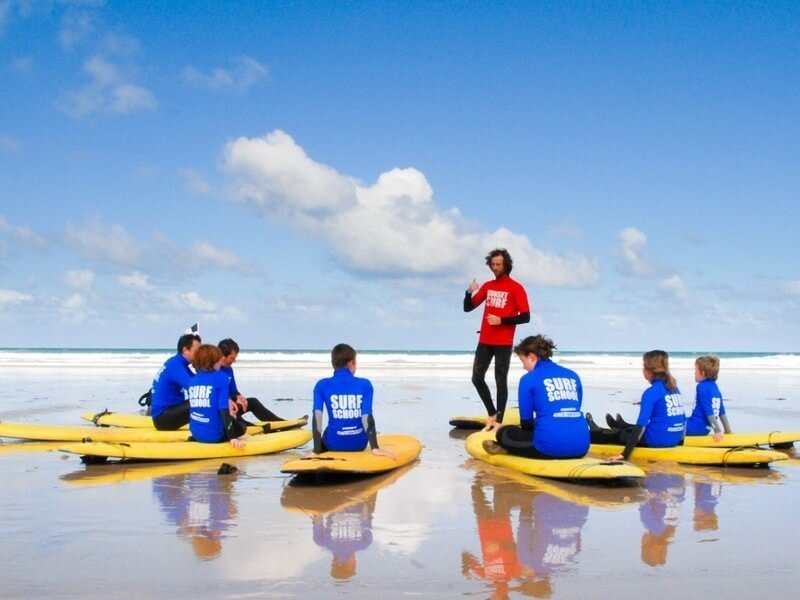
446,526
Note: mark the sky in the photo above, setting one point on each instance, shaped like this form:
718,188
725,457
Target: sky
298,174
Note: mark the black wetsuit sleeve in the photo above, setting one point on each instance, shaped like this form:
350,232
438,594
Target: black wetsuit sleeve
316,430
633,439
523,317
228,425
369,425
468,306
526,424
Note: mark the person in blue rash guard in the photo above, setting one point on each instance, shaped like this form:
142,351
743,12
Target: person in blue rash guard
348,402
169,406
213,413
230,351
708,415
551,422
661,422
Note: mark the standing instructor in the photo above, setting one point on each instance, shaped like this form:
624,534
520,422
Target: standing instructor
506,307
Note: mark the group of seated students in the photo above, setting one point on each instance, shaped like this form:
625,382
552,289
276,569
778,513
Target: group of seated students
209,401
553,426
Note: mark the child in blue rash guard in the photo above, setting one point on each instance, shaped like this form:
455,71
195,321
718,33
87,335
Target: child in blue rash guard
661,422
213,416
551,422
169,406
708,415
348,401
230,351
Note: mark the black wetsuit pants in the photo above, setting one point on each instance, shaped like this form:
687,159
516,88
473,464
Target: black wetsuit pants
519,442
177,416
502,360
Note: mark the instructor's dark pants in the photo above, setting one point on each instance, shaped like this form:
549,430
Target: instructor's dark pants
502,360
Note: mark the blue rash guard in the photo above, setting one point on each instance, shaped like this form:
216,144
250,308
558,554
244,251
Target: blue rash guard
234,389
169,384
551,395
661,415
347,398
708,403
208,394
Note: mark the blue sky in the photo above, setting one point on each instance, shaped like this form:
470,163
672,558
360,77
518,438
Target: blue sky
295,174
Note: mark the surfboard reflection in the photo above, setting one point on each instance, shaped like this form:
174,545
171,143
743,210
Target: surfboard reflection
201,506
341,512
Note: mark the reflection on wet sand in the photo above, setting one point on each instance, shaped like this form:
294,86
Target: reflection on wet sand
706,496
548,536
201,506
341,512
659,514
117,472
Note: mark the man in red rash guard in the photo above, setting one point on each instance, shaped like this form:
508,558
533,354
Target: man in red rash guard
506,306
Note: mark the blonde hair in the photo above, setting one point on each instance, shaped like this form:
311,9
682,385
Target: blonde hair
708,366
657,362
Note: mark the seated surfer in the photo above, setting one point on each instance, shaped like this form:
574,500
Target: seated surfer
213,413
661,422
230,351
551,422
708,415
169,406
348,401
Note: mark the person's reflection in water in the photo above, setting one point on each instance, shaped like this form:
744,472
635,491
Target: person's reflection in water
659,515
500,564
201,506
549,535
344,533
706,496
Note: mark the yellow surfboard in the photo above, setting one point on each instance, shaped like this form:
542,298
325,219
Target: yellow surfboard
773,439
479,421
113,419
695,456
77,433
557,468
258,444
405,447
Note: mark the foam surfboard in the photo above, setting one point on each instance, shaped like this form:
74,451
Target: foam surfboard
773,439
405,447
696,456
77,433
112,419
479,421
27,446
259,444
557,468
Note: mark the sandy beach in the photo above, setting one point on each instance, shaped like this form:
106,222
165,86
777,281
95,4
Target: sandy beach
445,526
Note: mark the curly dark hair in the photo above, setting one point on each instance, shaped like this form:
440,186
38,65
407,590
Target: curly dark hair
508,263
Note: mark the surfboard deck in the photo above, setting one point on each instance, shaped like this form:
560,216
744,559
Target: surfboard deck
259,444
557,468
77,433
407,448
773,439
695,456
476,422
112,419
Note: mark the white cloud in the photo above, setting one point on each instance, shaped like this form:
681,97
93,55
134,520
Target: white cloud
22,236
203,253
391,228
196,182
136,281
632,242
79,280
75,27
9,297
674,286
245,73
792,288
104,243
192,301
108,92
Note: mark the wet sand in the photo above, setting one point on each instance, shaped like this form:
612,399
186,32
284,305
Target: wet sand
446,526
